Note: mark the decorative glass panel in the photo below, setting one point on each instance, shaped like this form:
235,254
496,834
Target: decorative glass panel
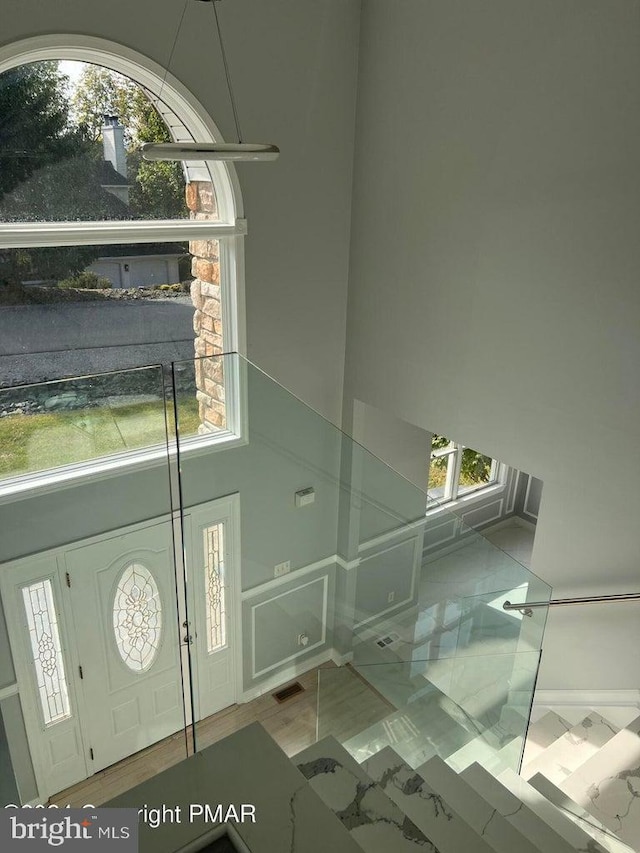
47,653
137,617
215,587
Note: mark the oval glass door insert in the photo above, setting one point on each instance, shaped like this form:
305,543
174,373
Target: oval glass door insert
137,617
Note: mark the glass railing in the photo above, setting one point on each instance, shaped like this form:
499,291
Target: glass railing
90,661
58,425
465,712
453,677
179,540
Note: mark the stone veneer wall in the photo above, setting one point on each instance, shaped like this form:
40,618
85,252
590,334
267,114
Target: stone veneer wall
207,320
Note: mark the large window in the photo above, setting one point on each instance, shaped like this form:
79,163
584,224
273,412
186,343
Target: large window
456,470
108,263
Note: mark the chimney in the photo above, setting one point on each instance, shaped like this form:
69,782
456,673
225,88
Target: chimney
115,153
113,144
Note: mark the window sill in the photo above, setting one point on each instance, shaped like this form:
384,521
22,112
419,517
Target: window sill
463,503
33,485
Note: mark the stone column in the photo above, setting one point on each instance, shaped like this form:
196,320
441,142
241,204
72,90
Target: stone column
207,320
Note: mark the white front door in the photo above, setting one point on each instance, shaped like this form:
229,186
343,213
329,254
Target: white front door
123,601
96,632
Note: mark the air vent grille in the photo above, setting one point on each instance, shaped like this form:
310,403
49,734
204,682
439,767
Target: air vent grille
288,692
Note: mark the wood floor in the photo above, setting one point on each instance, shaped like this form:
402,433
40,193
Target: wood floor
347,705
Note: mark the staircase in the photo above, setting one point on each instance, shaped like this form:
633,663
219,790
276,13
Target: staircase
579,791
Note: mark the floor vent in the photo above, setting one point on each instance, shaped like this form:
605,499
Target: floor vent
388,640
288,692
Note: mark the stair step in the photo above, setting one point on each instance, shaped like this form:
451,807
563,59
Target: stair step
574,748
519,814
374,821
543,733
482,817
411,731
550,814
429,811
608,784
579,815
480,752
497,748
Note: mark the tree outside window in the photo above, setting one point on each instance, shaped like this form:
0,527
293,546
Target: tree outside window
456,470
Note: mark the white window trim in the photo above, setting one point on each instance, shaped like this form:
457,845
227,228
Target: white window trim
478,496
230,229
154,77
492,489
29,235
39,483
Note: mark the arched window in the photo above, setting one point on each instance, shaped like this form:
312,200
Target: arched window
108,262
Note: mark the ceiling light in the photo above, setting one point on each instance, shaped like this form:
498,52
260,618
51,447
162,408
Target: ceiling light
190,151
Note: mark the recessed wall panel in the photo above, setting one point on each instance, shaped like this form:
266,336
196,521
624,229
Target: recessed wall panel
385,580
281,624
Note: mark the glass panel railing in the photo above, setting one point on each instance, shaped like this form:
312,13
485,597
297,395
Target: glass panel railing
337,559
260,487
202,525
462,709
91,663
63,425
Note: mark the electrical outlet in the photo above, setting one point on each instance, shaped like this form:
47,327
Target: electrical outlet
282,569
391,597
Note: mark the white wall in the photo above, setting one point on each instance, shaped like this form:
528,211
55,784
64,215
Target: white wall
387,437
494,273
293,65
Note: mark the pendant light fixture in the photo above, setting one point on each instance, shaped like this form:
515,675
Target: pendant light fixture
199,151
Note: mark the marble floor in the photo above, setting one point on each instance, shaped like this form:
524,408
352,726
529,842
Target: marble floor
515,537
458,639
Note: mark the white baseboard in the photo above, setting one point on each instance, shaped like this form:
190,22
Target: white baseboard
588,698
523,522
341,660
509,522
288,673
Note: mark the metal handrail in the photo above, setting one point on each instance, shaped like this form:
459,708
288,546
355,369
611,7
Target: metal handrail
526,608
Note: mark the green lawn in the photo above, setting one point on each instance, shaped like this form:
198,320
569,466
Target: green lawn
38,442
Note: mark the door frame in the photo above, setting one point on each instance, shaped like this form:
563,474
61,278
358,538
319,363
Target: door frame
227,507
18,573
13,575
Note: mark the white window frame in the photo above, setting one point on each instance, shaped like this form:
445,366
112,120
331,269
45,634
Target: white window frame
454,495
230,229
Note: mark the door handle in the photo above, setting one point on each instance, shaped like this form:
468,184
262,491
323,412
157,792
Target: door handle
188,638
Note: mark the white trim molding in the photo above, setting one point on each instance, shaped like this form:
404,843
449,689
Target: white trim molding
304,650
588,698
290,577
407,529
347,565
289,673
10,690
21,235
467,502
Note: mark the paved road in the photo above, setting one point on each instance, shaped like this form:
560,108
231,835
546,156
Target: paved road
39,342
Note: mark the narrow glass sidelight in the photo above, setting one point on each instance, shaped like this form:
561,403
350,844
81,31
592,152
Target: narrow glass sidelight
215,587
137,617
47,652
